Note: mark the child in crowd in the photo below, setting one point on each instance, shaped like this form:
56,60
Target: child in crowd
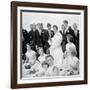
35,66
55,71
42,56
43,70
50,61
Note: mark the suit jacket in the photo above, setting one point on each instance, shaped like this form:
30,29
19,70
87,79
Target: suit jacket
32,39
25,35
42,39
76,42
24,42
52,33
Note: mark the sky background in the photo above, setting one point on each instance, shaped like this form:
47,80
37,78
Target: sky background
55,19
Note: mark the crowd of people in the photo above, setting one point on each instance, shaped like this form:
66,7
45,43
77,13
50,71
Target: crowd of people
50,52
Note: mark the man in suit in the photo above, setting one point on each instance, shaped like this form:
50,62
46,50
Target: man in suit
42,37
76,37
66,29
32,37
25,40
51,32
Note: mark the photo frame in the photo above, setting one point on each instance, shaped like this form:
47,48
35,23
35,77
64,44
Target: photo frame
25,13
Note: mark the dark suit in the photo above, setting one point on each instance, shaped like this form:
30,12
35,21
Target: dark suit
76,41
52,33
64,35
24,42
42,39
25,35
32,39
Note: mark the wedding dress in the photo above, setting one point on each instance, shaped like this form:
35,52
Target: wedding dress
56,49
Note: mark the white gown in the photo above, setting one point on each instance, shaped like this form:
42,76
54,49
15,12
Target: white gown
56,49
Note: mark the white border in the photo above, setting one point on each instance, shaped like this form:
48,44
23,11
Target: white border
69,78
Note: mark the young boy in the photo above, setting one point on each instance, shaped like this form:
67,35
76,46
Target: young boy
50,61
55,71
43,70
35,65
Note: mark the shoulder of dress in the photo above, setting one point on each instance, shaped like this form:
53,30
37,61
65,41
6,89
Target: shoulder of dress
33,52
73,45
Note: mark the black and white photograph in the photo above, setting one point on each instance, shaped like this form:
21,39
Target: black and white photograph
50,43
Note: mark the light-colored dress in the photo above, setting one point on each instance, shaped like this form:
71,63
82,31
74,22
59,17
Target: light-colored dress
70,46
56,49
70,64
30,55
27,73
42,58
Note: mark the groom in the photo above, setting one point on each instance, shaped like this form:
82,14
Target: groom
66,29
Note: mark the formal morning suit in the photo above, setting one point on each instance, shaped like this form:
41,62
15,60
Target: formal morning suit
76,41
42,39
32,39
24,42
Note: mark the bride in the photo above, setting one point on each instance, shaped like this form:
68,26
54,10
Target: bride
55,48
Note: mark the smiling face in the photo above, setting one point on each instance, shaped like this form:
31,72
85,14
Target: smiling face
62,27
45,66
65,23
55,28
40,26
49,26
50,60
40,51
55,70
31,26
34,26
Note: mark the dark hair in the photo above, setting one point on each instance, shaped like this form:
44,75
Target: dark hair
28,44
45,63
49,56
55,26
40,45
71,39
48,25
65,21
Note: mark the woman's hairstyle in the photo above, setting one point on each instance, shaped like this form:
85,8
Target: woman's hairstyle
49,56
55,26
48,25
65,21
